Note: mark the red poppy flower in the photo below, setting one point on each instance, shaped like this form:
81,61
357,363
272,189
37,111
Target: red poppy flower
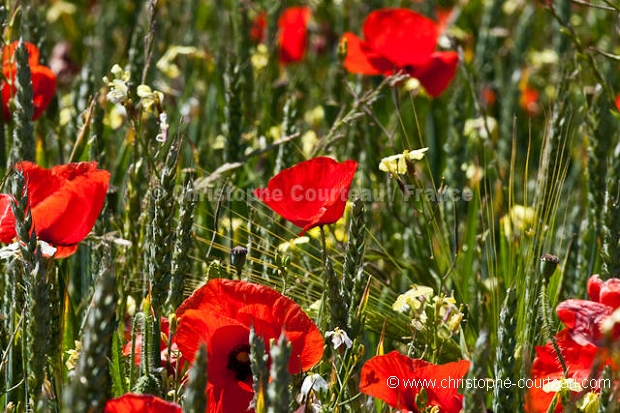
43,80
546,369
220,314
397,380
311,193
64,201
617,102
293,36
604,292
529,100
140,403
257,32
401,40
165,356
581,344
488,97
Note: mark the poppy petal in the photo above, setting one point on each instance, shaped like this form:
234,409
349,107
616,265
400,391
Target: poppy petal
401,36
610,293
446,377
594,287
546,367
225,392
378,373
43,89
436,74
361,59
7,219
197,327
224,341
165,356
140,403
228,398
293,33
259,24
42,78
444,18
33,53
375,373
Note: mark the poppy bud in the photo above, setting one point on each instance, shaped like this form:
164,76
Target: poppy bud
548,264
237,257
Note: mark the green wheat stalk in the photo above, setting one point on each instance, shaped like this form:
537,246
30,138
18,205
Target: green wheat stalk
195,392
88,387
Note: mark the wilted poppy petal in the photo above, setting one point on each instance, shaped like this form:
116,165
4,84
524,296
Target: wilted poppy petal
293,33
583,319
311,193
7,219
360,59
401,36
140,403
437,73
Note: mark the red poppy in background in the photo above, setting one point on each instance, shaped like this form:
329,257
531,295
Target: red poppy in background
292,34
401,40
617,102
140,403
257,32
165,355
384,377
220,314
42,77
64,201
529,100
311,193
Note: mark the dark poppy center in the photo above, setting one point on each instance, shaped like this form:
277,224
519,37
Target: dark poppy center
239,362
